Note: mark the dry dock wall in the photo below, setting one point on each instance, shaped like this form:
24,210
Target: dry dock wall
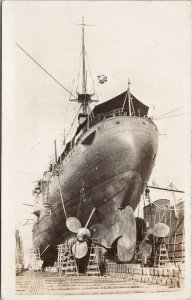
173,277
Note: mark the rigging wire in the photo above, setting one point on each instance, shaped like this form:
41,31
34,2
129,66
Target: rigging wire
78,74
70,102
170,112
45,70
73,82
93,82
73,121
89,69
167,117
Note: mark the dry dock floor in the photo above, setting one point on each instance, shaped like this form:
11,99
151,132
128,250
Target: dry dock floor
44,283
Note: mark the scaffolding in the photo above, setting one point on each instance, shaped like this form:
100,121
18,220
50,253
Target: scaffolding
66,261
93,264
35,261
161,255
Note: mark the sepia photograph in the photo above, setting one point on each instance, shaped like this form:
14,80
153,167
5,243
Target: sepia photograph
96,145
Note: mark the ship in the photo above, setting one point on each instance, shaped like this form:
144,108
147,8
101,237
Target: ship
92,188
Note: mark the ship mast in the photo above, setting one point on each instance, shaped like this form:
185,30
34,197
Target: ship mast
84,98
83,59
85,103
129,97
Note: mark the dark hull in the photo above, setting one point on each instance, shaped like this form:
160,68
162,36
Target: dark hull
114,167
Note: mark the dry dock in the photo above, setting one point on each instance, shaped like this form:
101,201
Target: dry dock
45,283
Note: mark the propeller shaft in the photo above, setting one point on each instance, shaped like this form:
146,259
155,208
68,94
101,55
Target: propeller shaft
93,210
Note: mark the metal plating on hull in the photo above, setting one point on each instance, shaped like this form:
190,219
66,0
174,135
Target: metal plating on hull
114,167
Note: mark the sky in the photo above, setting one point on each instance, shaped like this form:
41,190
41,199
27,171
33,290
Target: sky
145,41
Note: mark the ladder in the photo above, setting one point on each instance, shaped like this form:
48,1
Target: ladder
63,251
93,266
161,256
71,266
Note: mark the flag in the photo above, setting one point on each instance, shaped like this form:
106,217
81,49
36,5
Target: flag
102,78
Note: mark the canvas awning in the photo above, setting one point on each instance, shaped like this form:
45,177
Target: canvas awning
117,102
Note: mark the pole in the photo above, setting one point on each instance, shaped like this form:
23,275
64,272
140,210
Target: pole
83,58
129,97
175,206
164,189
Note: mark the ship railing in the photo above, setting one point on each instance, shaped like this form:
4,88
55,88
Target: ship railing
113,113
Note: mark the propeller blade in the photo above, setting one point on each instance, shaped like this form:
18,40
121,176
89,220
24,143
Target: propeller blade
125,248
127,242
145,248
98,231
73,224
128,223
79,249
160,230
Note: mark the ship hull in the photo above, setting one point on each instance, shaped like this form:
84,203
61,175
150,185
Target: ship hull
114,167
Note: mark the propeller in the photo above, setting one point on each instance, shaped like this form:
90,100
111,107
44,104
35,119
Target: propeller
145,247
159,230
80,247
